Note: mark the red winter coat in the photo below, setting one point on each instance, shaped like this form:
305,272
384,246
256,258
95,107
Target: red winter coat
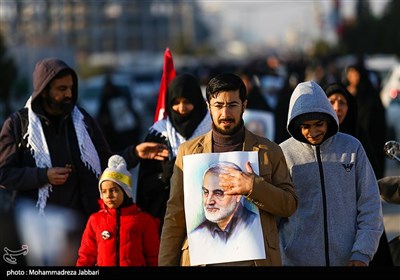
120,237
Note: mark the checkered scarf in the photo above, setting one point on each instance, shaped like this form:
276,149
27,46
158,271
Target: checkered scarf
40,151
166,128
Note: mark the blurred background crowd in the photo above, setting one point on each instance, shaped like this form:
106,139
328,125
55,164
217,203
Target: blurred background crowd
277,43
117,46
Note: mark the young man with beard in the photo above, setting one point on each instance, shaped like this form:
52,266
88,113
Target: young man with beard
53,164
271,191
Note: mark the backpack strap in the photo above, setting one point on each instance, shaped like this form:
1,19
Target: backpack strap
21,121
20,124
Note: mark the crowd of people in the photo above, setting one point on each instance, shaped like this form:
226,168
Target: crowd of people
67,185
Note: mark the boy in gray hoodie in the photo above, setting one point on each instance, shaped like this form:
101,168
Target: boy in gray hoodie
339,219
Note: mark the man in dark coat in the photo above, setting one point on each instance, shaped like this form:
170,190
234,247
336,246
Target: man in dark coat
55,161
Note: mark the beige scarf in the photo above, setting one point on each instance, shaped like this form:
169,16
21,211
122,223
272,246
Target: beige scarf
40,151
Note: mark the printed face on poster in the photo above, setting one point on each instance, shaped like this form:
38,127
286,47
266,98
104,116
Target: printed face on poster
221,228
260,123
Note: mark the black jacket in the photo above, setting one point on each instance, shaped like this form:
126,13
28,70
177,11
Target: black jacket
18,170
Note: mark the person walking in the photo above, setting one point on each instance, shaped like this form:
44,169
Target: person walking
120,233
371,116
51,155
339,219
187,118
271,191
116,116
346,110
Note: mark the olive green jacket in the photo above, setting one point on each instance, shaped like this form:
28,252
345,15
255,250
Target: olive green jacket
273,193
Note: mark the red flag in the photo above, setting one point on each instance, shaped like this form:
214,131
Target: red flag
167,76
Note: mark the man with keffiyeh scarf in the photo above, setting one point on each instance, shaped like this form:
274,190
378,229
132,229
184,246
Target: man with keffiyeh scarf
65,150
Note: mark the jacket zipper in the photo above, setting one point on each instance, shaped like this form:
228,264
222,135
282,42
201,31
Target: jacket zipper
326,233
117,237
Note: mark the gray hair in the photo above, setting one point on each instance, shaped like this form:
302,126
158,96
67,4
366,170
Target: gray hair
221,167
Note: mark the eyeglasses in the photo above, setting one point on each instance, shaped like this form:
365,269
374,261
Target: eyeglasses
230,106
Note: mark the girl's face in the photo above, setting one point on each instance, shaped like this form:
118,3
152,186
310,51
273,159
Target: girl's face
112,194
182,106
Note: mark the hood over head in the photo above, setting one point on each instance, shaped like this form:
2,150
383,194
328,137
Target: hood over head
349,123
187,86
45,71
309,101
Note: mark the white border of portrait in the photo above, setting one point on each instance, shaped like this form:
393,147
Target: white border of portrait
194,167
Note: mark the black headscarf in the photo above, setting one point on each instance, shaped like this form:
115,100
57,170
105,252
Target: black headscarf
349,124
187,86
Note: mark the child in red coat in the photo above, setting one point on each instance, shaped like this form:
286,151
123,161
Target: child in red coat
119,234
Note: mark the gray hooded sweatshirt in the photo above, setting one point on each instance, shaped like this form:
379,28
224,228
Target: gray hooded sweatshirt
339,215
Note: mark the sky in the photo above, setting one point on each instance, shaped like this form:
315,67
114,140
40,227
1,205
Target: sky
277,22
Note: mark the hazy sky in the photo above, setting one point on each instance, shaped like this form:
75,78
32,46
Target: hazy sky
279,21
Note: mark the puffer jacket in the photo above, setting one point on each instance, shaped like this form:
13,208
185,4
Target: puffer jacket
124,236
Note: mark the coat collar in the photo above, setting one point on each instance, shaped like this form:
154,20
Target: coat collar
250,142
